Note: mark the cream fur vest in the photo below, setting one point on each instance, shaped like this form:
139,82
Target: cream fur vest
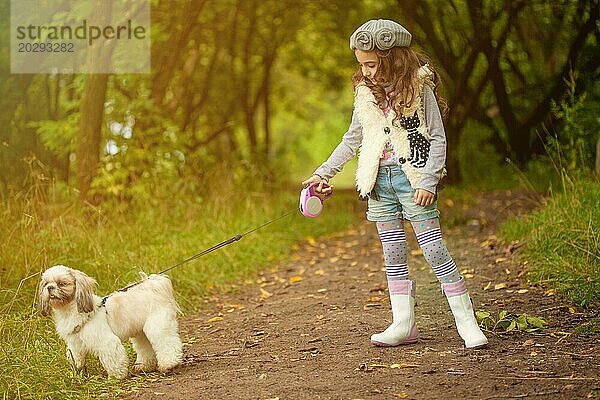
410,141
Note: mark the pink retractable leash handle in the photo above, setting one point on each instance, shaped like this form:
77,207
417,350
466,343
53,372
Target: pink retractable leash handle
311,202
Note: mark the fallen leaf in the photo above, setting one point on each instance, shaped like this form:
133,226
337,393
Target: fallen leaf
489,242
192,340
571,310
311,240
379,288
369,306
296,279
264,294
319,272
507,271
499,286
521,291
321,290
403,365
379,366
334,259
512,247
550,292
528,342
401,395
500,259
489,285
215,319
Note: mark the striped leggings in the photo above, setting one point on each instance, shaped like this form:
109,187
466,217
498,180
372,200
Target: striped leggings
429,236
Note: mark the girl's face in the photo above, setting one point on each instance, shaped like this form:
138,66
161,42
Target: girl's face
369,62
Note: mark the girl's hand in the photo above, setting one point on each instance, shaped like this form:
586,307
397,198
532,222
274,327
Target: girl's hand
319,189
423,197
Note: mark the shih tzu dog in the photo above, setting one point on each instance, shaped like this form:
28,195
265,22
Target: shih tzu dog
146,314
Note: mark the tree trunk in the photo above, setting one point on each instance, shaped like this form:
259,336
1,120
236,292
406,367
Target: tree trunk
166,66
598,159
90,132
267,113
452,160
246,88
91,111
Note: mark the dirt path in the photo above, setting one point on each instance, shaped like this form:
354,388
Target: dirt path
302,331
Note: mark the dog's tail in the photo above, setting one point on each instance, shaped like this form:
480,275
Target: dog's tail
161,285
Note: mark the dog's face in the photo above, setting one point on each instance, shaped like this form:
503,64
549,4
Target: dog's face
62,285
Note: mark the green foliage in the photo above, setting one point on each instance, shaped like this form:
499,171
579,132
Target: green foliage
58,136
563,243
508,322
481,166
313,128
217,89
572,148
144,157
590,327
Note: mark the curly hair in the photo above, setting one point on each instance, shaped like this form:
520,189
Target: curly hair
398,67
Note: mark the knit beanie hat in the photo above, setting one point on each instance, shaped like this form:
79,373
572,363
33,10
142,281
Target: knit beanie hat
381,33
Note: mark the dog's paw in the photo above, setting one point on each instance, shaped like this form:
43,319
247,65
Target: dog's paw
119,374
168,367
138,368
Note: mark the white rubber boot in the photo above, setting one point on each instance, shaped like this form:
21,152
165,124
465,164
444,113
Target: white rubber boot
403,329
462,308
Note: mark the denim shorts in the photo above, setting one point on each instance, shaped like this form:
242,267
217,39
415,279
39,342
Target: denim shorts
395,198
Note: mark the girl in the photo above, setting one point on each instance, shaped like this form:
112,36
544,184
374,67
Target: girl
397,125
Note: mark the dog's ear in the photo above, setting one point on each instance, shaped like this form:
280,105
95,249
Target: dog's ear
43,298
84,291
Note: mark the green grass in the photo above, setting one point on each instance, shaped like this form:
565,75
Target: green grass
590,327
563,243
113,245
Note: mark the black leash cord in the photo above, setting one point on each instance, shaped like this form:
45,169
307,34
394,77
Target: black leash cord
215,247
225,243
209,250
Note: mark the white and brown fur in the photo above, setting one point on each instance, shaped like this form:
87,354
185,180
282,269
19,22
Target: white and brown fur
146,314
